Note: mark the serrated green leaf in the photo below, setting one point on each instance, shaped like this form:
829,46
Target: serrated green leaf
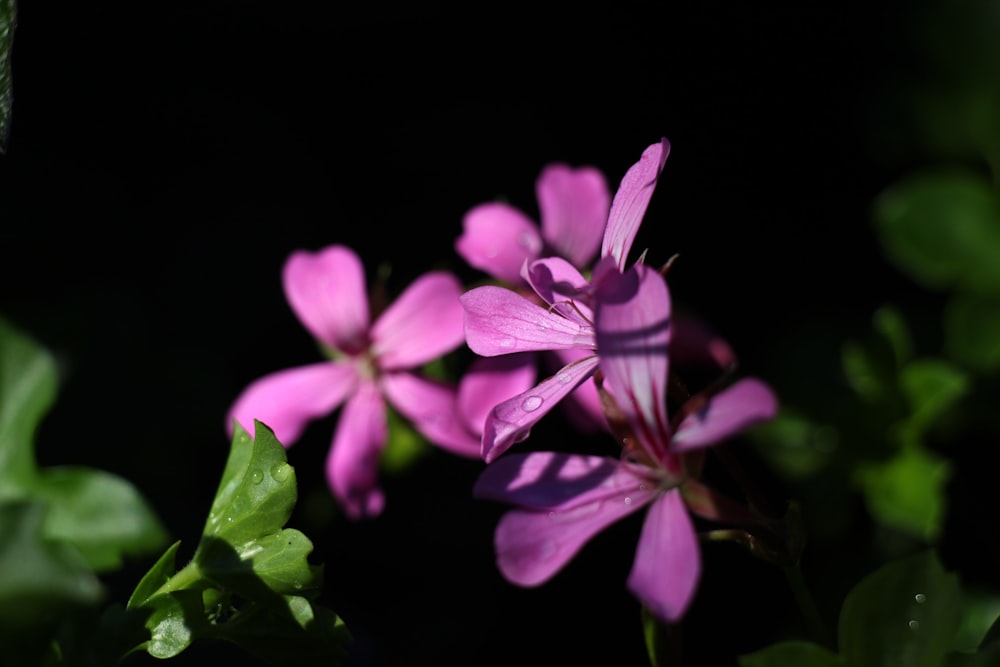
787,653
156,577
972,332
176,620
258,489
8,23
99,513
931,386
278,561
907,492
905,614
943,230
28,384
41,580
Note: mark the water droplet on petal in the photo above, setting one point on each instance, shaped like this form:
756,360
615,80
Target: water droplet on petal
564,378
628,500
256,476
531,403
920,598
506,343
281,471
913,625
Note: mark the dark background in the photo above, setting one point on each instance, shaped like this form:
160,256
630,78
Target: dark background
164,160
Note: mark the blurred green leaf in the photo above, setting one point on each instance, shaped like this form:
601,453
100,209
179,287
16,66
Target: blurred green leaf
41,580
787,653
931,387
905,614
889,322
793,444
28,383
907,492
8,23
980,611
871,377
972,331
405,445
943,230
101,514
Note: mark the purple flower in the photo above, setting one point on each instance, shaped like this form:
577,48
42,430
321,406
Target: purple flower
500,321
563,500
369,365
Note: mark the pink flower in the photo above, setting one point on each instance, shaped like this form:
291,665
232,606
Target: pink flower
370,364
563,500
499,239
500,321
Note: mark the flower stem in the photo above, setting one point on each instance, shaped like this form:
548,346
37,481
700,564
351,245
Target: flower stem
817,628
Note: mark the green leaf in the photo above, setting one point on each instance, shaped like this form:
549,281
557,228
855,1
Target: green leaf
41,580
28,383
797,653
889,322
257,492
943,230
794,445
156,578
907,492
278,561
905,614
8,22
868,375
972,332
931,387
99,513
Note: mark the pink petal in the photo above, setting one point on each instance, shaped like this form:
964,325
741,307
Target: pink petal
432,408
500,321
287,400
557,481
424,322
667,562
583,405
352,464
326,290
695,344
632,325
631,201
745,403
510,422
531,547
492,380
497,239
561,286
574,207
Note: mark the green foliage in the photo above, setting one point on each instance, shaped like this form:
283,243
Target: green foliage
8,21
249,581
905,614
102,516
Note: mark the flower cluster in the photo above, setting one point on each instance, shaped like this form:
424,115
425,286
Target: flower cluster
568,291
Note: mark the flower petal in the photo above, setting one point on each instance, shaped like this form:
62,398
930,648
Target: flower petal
573,204
561,286
532,546
511,421
423,323
432,408
557,481
583,405
745,403
695,344
632,325
497,239
492,380
667,563
352,464
631,201
287,400
501,321
326,290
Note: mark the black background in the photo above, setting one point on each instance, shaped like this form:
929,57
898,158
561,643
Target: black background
164,160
